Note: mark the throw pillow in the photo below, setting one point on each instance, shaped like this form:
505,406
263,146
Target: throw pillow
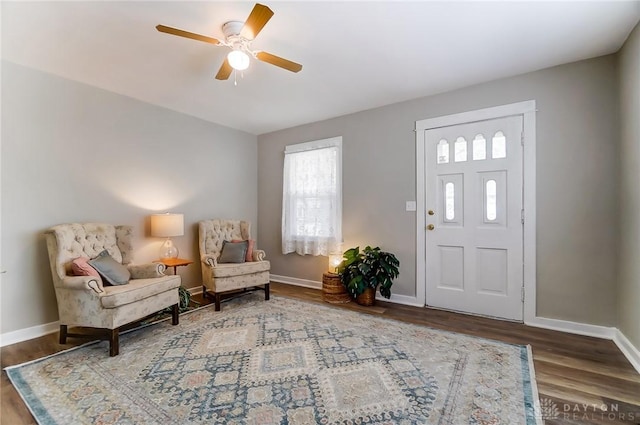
233,252
250,244
112,271
81,267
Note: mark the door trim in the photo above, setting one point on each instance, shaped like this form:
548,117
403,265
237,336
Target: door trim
528,111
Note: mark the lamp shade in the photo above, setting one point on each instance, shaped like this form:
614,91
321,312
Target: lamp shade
167,225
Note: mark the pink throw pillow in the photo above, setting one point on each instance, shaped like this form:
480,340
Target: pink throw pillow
250,244
81,267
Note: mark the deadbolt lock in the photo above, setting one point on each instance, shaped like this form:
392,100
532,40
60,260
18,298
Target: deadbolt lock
430,227
430,212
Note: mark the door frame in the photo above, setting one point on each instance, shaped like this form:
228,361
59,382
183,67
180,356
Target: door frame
528,111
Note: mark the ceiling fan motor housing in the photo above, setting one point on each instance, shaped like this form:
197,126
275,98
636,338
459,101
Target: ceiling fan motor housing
232,28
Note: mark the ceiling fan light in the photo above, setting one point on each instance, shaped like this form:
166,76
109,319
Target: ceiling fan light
238,60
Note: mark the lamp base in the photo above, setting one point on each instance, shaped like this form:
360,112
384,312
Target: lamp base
168,250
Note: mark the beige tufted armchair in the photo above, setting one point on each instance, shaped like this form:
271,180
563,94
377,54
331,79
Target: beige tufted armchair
219,278
86,301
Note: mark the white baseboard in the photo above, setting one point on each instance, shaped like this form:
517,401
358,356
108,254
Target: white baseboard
395,298
20,335
295,281
630,352
603,332
585,329
195,290
401,299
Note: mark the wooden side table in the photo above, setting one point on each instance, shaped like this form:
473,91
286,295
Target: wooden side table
174,262
333,291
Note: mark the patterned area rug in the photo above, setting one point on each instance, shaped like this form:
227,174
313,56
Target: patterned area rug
283,362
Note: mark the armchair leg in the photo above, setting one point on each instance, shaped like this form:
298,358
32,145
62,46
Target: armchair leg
114,342
175,314
204,292
266,292
217,295
63,334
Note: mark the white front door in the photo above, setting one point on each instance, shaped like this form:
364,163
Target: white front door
474,236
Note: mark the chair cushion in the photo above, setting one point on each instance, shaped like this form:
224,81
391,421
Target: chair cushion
229,270
112,271
136,290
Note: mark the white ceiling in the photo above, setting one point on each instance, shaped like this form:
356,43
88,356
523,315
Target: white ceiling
356,55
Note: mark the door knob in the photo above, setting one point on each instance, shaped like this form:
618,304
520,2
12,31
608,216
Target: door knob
430,227
430,212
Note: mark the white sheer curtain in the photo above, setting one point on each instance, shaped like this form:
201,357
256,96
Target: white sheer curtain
312,198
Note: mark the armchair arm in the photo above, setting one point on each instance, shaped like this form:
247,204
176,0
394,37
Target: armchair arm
258,255
146,271
82,283
209,260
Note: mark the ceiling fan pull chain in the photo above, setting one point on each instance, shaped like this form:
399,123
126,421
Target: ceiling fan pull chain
235,77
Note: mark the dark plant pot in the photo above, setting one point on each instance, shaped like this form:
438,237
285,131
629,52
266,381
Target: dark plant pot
367,298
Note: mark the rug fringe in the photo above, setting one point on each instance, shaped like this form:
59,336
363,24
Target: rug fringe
537,411
39,359
24,400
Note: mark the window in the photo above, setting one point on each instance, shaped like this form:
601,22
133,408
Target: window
312,197
491,200
460,147
449,201
443,152
479,147
499,146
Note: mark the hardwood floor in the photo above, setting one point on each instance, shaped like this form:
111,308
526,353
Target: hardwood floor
580,375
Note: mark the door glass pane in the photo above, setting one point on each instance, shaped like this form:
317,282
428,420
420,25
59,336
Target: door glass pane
460,147
499,146
490,193
449,203
479,147
443,152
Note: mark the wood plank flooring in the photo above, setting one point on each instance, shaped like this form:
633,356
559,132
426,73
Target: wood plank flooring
580,375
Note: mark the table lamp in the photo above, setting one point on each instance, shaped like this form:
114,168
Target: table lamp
166,226
334,262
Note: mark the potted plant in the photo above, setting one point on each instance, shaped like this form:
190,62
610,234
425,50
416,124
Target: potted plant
363,272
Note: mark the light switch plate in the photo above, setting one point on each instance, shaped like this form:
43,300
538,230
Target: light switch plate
411,205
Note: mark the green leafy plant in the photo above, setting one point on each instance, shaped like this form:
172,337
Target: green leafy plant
184,297
369,268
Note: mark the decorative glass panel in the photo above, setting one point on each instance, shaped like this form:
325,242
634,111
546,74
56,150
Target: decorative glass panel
460,147
490,193
499,146
449,203
443,152
479,147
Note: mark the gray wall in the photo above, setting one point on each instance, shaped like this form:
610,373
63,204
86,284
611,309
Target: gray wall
577,197
629,284
74,153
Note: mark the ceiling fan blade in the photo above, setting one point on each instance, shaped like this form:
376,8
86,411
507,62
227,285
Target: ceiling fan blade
257,19
278,61
225,71
186,34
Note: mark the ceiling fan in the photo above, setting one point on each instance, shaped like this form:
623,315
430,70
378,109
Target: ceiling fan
238,37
